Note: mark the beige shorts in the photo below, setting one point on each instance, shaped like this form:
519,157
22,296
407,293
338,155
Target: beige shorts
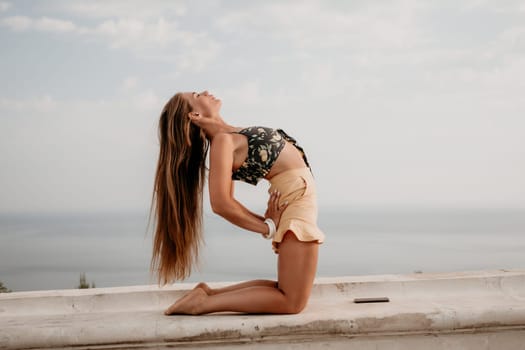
297,186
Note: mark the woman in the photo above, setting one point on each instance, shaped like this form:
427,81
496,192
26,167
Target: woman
189,125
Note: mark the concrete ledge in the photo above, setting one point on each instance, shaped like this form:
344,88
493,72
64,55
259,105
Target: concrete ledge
431,310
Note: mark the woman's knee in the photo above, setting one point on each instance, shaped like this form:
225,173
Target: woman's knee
296,307
296,303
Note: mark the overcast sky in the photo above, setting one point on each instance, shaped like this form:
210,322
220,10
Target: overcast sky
398,103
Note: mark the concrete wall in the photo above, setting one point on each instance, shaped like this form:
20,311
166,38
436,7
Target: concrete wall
461,310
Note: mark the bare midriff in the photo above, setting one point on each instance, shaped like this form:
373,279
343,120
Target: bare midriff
289,158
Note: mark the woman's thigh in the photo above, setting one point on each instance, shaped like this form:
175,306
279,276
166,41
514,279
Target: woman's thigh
297,265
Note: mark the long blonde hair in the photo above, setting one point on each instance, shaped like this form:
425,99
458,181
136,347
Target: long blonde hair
177,194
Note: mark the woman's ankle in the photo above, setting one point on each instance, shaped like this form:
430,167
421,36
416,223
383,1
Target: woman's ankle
206,288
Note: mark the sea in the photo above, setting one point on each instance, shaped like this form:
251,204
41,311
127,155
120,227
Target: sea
50,251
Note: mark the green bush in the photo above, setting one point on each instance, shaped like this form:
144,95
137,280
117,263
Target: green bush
3,289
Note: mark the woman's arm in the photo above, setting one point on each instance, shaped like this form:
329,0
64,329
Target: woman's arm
221,187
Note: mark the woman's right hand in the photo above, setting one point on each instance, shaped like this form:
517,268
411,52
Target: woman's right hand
274,209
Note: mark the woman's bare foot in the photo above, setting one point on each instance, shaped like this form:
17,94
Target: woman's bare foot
203,286
189,304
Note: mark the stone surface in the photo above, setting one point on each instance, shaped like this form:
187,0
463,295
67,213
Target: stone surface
461,310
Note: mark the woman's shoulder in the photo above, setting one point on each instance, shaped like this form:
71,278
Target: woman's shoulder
222,139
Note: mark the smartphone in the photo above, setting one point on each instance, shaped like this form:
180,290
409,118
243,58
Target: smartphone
371,300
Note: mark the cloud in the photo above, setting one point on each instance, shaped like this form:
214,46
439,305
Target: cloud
247,93
46,24
319,74
514,37
54,25
160,40
196,56
148,101
123,32
139,34
130,83
4,6
34,104
17,23
314,25
156,39
145,101
123,8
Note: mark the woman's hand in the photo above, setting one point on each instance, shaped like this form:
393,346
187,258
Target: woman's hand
275,210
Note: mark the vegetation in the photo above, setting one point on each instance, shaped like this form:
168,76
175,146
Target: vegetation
3,289
83,282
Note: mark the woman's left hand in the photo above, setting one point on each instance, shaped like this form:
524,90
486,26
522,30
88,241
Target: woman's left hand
274,209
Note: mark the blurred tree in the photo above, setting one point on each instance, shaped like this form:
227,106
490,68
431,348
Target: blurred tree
83,282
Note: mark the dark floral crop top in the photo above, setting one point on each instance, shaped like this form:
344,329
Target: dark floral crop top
264,146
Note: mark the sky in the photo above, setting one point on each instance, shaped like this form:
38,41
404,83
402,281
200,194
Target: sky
397,103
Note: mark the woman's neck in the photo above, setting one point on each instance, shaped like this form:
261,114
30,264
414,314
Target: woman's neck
217,126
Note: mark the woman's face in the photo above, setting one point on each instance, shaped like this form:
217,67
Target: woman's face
204,103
